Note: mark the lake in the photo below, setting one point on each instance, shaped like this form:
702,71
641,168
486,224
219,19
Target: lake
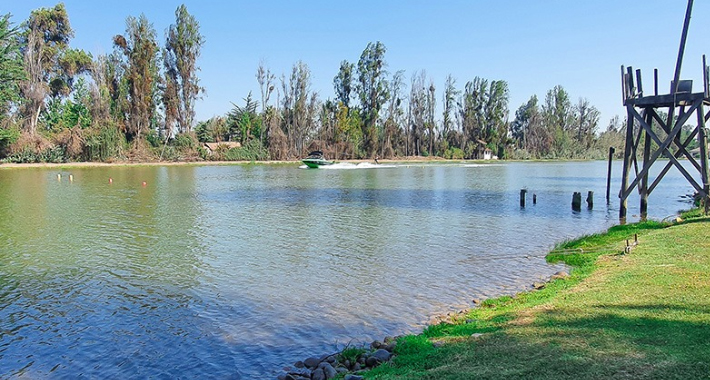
233,272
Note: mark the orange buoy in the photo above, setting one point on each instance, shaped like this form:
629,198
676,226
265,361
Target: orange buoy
144,184
110,180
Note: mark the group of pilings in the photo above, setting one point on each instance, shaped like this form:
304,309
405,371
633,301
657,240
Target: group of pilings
576,199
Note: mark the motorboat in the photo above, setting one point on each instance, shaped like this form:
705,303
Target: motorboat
315,160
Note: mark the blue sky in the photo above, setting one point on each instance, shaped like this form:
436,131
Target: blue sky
533,45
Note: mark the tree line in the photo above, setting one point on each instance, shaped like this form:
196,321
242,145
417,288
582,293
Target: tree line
61,104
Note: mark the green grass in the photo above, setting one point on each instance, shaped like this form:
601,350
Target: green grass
645,314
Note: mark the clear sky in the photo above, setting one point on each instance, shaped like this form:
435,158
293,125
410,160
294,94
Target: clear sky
533,45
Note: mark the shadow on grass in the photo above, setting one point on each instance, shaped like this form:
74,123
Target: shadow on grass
636,341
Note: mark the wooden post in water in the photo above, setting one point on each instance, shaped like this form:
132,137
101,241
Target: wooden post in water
608,173
534,198
522,197
590,200
577,201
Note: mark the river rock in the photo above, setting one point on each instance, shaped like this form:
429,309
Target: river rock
559,275
538,285
318,374
376,344
311,363
378,357
328,370
353,377
299,364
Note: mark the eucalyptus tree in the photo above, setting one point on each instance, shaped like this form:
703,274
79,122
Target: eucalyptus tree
393,118
586,120
140,75
343,83
448,117
496,115
372,90
11,68
418,111
266,86
557,117
471,107
49,63
300,107
183,46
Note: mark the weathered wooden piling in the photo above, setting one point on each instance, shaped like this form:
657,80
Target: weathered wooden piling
608,173
590,200
577,201
534,198
522,197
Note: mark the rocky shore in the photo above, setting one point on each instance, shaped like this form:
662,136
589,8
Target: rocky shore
354,361
350,361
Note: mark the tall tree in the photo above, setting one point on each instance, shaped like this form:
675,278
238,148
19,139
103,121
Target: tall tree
473,101
586,120
343,83
417,112
266,86
393,117
140,72
449,102
528,131
300,107
557,116
49,63
183,46
496,116
11,69
372,89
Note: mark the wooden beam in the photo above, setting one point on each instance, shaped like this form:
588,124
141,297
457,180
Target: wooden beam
702,139
670,164
638,81
663,149
630,80
643,190
627,163
682,147
624,91
681,49
706,85
655,82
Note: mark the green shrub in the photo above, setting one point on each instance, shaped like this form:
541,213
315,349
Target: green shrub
104,144
251,151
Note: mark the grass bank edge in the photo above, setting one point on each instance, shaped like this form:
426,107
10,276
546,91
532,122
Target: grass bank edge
493,314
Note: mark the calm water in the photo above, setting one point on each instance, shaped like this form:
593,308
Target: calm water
236,271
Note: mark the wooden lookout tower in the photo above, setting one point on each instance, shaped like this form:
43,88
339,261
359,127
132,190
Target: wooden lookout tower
644,120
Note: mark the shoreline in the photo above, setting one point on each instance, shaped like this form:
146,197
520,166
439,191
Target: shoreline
408,160
579,269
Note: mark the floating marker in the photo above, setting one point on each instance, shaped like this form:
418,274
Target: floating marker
71,177
110,180
59,177
145,184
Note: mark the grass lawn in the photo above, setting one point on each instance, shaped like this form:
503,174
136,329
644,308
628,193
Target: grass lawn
645,314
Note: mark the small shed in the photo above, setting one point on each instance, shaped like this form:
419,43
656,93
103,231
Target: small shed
487,154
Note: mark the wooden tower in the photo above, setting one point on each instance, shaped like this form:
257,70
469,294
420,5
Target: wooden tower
643,120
